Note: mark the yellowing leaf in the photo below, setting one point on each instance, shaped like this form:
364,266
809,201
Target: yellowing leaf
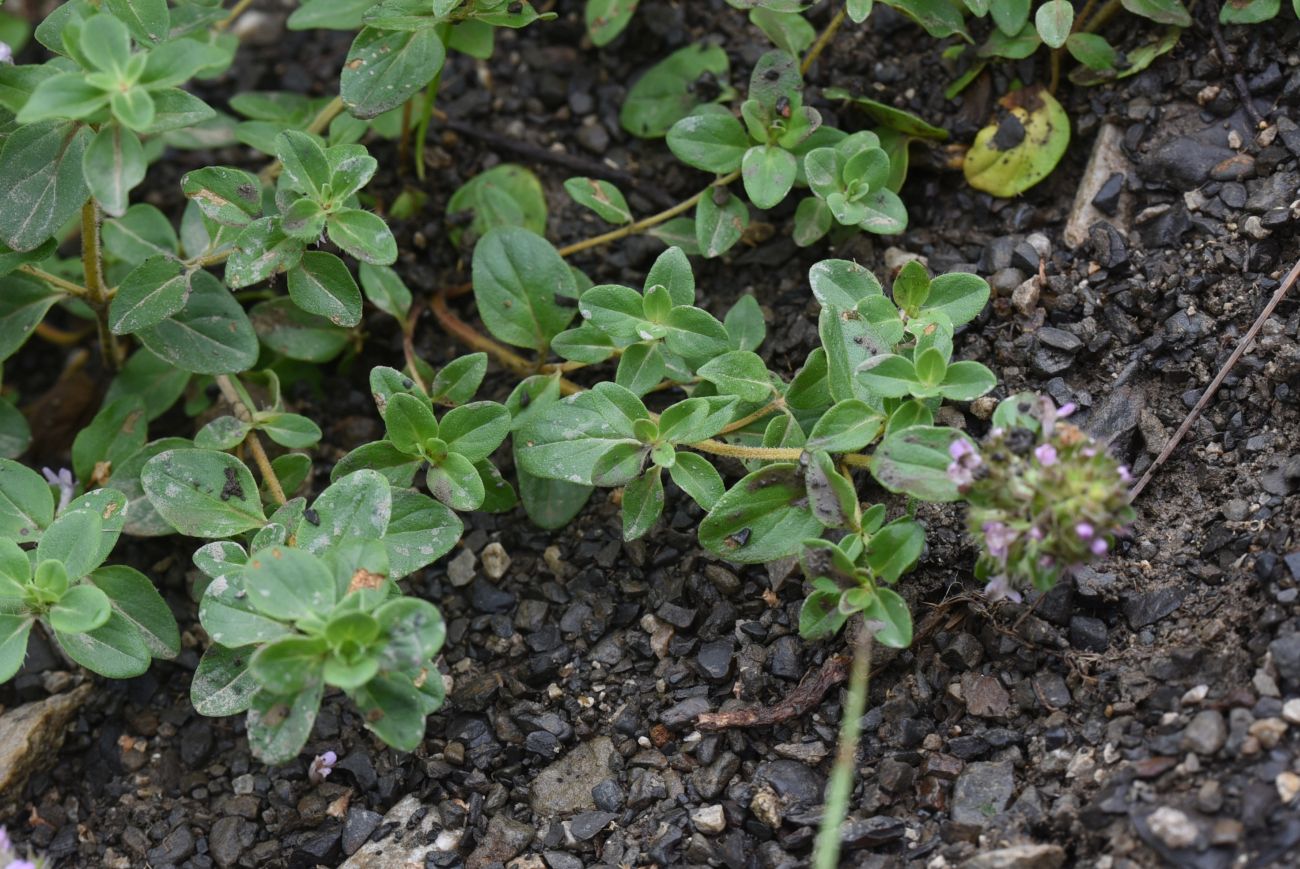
1023,144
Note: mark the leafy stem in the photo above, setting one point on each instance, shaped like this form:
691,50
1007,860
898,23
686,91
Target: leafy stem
96,295
245,413
647,222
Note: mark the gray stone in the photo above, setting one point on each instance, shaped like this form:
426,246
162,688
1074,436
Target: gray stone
1286,657
714,659
1019,857
30,737
230,838
175,847
793,781
685,712
405,842
709,820
505,838
357,827
982,792
565,786
585,825
1148,607
1205,733
710,780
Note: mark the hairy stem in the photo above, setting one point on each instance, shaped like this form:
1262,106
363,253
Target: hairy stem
57,282
827,849
773,406
823,40
245,413
647,222
92,264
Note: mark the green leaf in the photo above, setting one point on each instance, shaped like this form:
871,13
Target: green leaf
718,226
1249,11
278,725
392,709
831,496
329,15
940,18
858,10
505,195
117,431
601,197
385,290
519,280
288,584
357,505
386,68
15,434
914,461
142,232
134,108
82,608
606,19
888,116
134,598
768,172
641,368
114,649
41,182
23,304
420,531
1161,11
288,664
745,324
696,335
363,235
849,426
321,284
223,684
114,164
397,467
148,20
456,482
1092,50
153,291
966,381
890,611
775,77
304,164
761,518
230,197
26,503
739,372
174,111
63,95
292,332
409,422
820,616
894,549
14,631
153,379
1054,19
1010,16
568,437
203,493
643,503
1016,152
210,335
789,31
713,141
668,91
585,344
291,430
457,381
476,430
672,271
66,541
696,476
888,375
842,284
618,312
958,295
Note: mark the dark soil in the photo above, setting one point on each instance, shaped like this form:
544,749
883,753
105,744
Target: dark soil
1135,716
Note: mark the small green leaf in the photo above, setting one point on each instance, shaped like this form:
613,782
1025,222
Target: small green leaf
914,461
385,290
26,503
456,482
505,195
890,611
476,430
745,324
719,225
279,724
303,161
117,431
134,598
1055,18
966,381
148,20
1160,11
567,438
231,197
82,608
321,284
842,284
888,375
606,19
420,531
223,433
292,332
895,548
23,304
601,197
392,709
710,140
288,584
1092,50
203,493
672,271
385,68
641,368
114,164
210,335
67,542
286,665
848,426
15,434
696,476
291,430
223,684
363,235
115,649
761,518
668,91
940,18
153,291
359,504
820,616
519,280
643,503
14,632
789,31
457,381
768,172
741,373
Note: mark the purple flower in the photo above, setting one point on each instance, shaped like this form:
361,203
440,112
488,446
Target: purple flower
960,448
1124,474
1085,530
959,475
5,844
67,485
1000,589
1035,533
998,539
1066,409
1088,452
6,53
1099,546
321,767
1046,455
21,864
1046,561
